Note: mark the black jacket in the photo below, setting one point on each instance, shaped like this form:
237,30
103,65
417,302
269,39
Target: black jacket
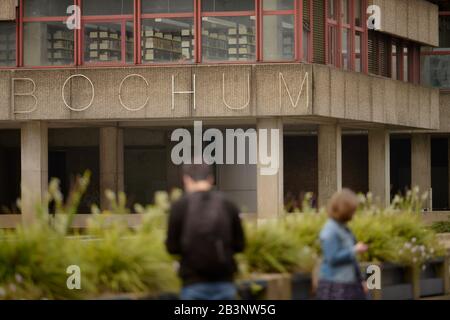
201,206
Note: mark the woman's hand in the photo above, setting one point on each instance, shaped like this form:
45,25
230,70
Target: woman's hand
361,247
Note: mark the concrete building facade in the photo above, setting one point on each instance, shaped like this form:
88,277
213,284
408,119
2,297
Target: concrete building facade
357,107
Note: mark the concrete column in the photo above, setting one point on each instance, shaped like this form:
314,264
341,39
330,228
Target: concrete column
379,166
111,162
269,188
421,163
330,162
34,167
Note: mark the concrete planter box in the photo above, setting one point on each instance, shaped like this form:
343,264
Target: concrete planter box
396,282
433,280
302,286
266,287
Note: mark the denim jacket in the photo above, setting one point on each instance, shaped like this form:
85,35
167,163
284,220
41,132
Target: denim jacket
339,262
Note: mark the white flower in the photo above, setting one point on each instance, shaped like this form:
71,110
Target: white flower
407,245
413,240
19,278
2,292
414,259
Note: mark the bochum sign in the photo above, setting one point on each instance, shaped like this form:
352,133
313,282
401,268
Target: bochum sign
288,93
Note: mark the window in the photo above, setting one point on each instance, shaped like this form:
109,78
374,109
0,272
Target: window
435,62
108,31
346,34
228,30
7,44
46,39
121,32
168,31
278,28
393,57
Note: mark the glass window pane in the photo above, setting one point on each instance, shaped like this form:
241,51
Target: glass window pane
405,64
46,8
129,47
278,5
345,49
228,38
167,40
278,34
47,44
332,9
358,12
107,7
435,70
167,6
306,39
7,44
103,42
228,5
345,12
332,45
358,55
444,32
394,65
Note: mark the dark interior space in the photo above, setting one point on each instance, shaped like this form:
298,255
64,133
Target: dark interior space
400,155
300,169
439,173
145,173
71,153
355,163
10,174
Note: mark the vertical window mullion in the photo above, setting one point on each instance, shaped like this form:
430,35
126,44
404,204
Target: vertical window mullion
19,45
339,34
352,54
259,30
298,22
311,32
198,30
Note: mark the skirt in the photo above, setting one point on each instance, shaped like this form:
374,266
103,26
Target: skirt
328,290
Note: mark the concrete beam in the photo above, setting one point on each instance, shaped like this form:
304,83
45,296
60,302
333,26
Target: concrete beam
111,162
269,188
34,164
421,163
330,161
379,166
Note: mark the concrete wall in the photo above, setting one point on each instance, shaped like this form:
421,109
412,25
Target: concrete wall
355,96
221,92
416,20
8,9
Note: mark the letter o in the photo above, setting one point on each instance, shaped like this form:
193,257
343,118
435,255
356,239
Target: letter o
64,98
120,91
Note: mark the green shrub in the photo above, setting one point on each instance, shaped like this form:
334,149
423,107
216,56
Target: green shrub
441,227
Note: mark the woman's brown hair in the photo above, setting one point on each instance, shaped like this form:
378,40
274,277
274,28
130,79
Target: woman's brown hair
342,205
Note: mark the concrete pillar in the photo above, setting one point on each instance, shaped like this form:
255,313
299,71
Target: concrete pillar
330,161
34,167
379,166
111,162
421,163
269,188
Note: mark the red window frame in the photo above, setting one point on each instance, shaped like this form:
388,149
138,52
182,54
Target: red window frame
116,19
296,12
137,17
334,53
22,20
205,14
438,52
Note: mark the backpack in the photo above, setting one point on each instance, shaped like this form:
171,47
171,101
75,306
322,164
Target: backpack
207,234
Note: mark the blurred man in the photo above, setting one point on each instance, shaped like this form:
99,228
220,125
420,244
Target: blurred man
206,231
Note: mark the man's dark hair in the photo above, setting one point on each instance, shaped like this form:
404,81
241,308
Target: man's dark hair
198,172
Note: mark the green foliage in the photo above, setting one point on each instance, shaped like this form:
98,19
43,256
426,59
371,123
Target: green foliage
112,257
441,227
396,234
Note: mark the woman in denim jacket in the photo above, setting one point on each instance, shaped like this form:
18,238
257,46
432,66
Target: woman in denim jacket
340,277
